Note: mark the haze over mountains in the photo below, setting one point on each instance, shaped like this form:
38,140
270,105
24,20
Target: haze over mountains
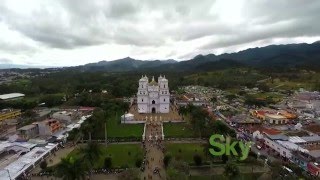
273,56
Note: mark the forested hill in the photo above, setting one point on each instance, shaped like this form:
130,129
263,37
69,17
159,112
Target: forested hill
273,56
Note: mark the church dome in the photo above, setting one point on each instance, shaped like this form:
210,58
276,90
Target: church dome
153,82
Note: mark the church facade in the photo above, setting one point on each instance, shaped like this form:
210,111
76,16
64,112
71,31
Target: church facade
153,97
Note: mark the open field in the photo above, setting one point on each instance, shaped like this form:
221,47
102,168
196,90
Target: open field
177,130
116,129
185,152
122,155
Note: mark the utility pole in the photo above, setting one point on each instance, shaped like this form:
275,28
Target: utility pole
105,133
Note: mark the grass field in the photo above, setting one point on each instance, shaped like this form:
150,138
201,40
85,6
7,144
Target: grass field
246,176
116,129
177,130
123,155
185,151
275,96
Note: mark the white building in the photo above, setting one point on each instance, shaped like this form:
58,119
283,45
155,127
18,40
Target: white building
153,97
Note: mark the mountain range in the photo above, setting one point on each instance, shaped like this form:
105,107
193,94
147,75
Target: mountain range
274,56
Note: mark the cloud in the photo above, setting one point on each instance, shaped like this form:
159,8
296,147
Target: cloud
5,61
62,31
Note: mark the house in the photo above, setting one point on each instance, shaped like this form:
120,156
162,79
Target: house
301,159
48,127
28,131
65,117
314,168
273,116
313,129
275,143
11,96
9,114
259,132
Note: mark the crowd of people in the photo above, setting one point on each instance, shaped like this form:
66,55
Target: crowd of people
95,171
153,146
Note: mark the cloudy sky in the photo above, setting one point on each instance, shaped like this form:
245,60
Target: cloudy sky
66,32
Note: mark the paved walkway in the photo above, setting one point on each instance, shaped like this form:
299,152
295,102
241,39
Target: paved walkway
173,114
93,177
154,167
220,170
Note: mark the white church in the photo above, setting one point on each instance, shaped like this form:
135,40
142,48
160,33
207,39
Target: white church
153,97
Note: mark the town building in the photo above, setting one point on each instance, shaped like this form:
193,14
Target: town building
314,168
6,114
28,131
48,127
192,99
11,96
153,97
66,117
274,116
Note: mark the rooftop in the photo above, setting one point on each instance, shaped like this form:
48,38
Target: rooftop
296,139
311,138
270,131
278,137
19,166
27,127
11,96
291,146
315,153
4,111
314,128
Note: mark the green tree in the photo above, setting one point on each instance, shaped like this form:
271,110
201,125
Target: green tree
138,162
43,165
108,162
91,154
231,170
197,159
206,148
70,169
166,160
224,158
88,128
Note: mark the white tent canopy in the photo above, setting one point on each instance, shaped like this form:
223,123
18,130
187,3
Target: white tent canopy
127,117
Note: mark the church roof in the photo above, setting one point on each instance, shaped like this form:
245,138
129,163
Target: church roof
144,78
153,82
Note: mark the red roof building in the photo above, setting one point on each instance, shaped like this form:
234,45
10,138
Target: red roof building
313,168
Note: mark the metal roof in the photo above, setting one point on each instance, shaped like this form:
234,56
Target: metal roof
11,95
296,139
278,137
19,166
311,138
291,146
27,127
314,153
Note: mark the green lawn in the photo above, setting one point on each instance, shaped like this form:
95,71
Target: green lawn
116,129
177,130
123,155
275,96
185,151
246,176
